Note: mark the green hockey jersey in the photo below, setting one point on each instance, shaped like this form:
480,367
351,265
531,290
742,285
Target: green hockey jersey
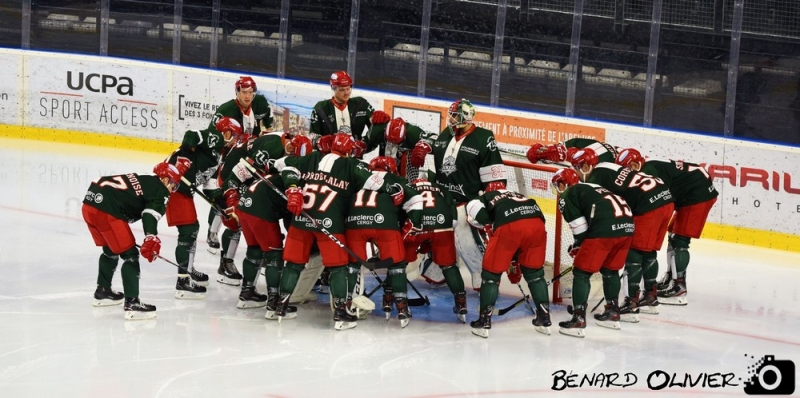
130,197
262,151
605,152
595,212
438,207
324,119
260,113
373,209
643,192
464,166
203,148
502,207
262,201
689,183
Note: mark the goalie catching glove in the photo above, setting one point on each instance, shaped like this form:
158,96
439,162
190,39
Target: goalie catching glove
151,247
294,200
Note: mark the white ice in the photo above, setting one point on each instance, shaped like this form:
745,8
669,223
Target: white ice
743,304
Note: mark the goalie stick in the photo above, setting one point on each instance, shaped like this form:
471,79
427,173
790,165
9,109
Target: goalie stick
384,263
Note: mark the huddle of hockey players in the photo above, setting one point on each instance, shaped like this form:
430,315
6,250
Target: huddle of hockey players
334,206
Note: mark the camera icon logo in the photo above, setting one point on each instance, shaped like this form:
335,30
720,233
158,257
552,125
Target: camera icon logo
770,376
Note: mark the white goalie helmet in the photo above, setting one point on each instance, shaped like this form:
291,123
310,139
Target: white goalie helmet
460,114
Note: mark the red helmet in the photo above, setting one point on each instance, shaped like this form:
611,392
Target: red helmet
495,186
570,152
383,163
302,145
583,156
246,82
566,176
396,131
626,156
341,79
343,144
226,124
170,172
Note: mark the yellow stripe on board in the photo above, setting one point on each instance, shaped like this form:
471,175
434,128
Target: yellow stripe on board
726,233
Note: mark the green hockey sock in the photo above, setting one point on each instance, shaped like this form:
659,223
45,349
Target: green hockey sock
680,244
187,236
650,270
273,265
107,265
611,284
289,277
580,286
130,273
490,286
225,241
339,282
452,276
353,270
397,278
633,268
536,284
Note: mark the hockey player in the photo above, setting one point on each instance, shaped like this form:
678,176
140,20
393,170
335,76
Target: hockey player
395,139
602,225
516,227
467,161
259,210
253,113
373,218
328,183
652,204
343,110
202,149
438,218
560,152
694,195
110,204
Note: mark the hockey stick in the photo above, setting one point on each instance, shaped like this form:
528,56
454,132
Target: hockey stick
168,261
384,263
503,311
414,302
202,195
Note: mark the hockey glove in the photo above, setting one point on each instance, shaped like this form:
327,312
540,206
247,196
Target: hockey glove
230,220
409,230
533,152
182,164
151,247
359,149
397,194
487,229
231,198
418,154
294,200
514,272
379,117
325,143
554,153
573,250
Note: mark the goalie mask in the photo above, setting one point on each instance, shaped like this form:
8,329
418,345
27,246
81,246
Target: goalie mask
460,114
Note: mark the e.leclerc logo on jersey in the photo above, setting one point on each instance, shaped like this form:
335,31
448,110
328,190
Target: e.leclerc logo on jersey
98,83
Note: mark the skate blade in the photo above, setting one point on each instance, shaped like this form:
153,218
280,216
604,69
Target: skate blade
542,329
649,310
243,304
228,281
388,314
106,302
270,315
481,332
608,324
184,295
212,250
343,325
629,318
139,315
679,300
462,317
201,283
574,332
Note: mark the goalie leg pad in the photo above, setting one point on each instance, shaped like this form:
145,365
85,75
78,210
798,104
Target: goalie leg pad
308,277
470,247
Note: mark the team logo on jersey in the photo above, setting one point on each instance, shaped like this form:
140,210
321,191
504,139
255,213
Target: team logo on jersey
491,144
246,202
440,219
98,198
379,218
213,140
327,223
449,165
261,158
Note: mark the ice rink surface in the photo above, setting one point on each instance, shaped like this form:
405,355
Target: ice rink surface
743,304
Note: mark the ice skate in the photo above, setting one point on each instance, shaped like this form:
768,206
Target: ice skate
342,319
649,302
137,310
104,297
403,312
541,323
665,282
278,307
186,289
629,311
250,297
386,305
460,307
199,278
610,317
576,326
480,327
227,273
676,294
213,242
